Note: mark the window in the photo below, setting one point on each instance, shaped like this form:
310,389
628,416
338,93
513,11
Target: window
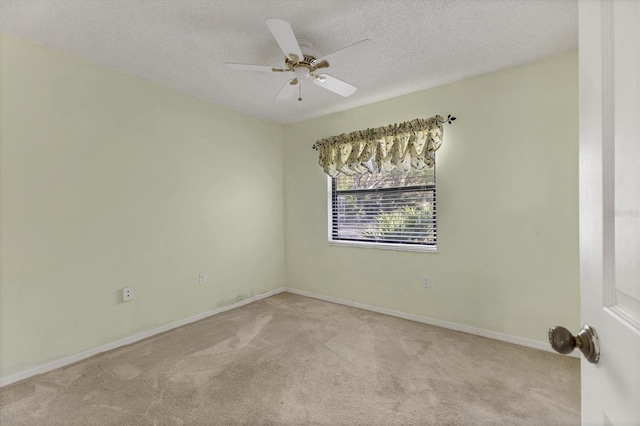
384,209
382,185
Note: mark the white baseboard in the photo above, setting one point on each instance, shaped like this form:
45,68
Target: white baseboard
44,368
529,343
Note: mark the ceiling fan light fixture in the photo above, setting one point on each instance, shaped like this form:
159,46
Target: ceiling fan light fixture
302,59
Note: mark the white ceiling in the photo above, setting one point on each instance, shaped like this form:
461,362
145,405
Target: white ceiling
182,44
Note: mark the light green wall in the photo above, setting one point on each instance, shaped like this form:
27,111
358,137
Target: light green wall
109,181
507,171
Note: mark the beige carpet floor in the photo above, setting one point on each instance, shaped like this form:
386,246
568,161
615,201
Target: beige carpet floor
293,360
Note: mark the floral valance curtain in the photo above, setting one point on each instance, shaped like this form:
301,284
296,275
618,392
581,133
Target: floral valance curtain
404,146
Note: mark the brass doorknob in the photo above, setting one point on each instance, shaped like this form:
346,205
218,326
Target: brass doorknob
562,341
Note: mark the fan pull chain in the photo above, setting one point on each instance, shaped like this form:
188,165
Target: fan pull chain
300,92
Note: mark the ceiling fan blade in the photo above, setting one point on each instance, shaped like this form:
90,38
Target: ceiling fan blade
285,38
289,88
336,86
356,52
248,67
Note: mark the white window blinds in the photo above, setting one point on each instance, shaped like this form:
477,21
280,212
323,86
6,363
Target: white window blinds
386,207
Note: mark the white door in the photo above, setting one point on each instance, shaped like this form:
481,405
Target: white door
610,207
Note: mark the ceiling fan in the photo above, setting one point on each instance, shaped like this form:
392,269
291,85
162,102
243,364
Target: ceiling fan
302,60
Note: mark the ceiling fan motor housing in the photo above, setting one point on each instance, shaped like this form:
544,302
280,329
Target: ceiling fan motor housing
309,58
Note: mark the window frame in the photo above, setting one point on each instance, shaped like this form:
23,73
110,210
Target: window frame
371,244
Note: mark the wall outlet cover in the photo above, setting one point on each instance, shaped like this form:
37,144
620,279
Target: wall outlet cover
127,294
202,279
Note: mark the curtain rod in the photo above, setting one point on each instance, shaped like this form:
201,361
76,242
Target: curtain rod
450,118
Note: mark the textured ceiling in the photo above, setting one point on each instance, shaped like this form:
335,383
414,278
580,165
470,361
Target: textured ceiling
182,44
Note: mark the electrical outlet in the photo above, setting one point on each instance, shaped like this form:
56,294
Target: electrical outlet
426,281
127,294
202,279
